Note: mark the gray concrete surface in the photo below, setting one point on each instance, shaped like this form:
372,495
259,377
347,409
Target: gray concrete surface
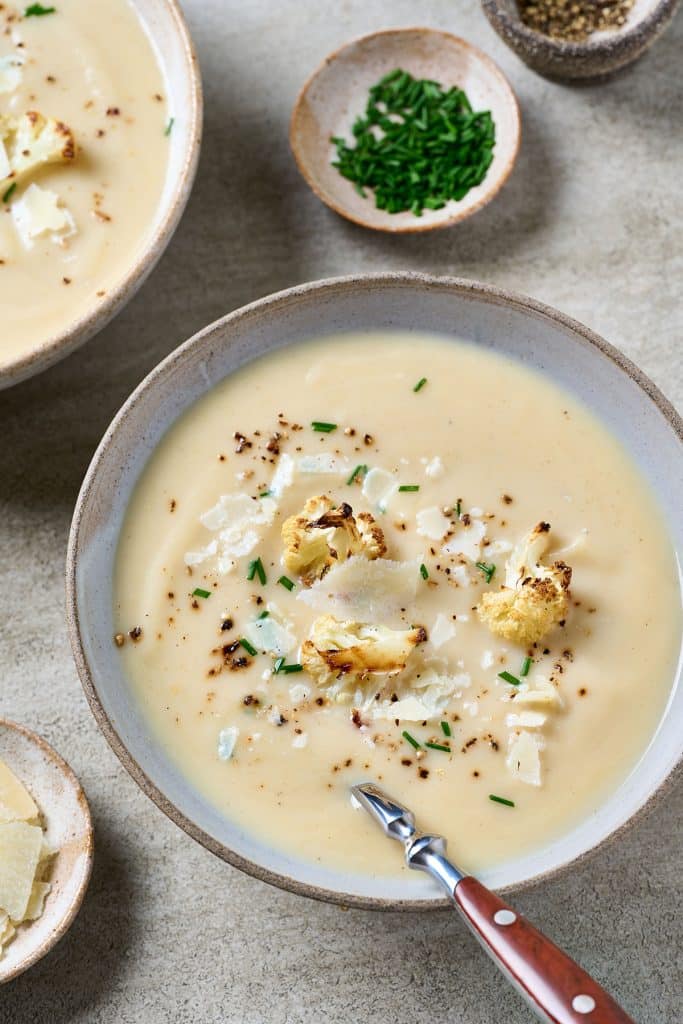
591,223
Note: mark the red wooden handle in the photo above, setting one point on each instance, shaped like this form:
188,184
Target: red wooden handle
554,985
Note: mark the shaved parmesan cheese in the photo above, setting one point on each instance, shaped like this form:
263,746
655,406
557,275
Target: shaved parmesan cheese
299,693
235,518
300,740
460,574
379,487
7,930
5,167
227,738
10,74
420,698
432,523
524,759
16,803
542,692
467,540
487,659
526,720
497,547
283,476
36,901
434,468
37,213
365,590
442,631
323,463
20,848
270,635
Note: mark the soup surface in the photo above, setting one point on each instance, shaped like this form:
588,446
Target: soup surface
91,67
216,611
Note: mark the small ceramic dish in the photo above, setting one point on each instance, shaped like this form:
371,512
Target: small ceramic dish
164,21
66,819
600,55
336,93
570,355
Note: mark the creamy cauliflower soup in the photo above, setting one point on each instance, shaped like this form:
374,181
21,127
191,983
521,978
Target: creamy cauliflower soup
398,559
83,156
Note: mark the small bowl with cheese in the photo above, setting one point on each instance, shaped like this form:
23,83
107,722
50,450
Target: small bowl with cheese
100,126
46,848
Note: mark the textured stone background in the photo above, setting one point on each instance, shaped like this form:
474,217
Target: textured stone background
590,222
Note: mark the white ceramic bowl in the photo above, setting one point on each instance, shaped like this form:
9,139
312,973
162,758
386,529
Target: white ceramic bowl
166,26
596,373
337,91
68,830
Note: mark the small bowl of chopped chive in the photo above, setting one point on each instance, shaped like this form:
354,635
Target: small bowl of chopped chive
579,39
406,130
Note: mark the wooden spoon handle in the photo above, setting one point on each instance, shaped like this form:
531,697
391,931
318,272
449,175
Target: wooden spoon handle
552,983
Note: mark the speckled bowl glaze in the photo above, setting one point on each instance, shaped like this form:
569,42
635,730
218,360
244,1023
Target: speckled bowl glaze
336,93
164,21
600,55
535,335
60,798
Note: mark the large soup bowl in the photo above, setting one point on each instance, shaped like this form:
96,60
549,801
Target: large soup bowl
571,355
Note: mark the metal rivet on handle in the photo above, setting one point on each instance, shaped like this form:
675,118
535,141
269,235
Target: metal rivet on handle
504,917
583,1004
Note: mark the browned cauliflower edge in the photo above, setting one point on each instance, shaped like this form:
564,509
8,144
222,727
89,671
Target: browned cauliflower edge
352,651
32,140
534,597
324,533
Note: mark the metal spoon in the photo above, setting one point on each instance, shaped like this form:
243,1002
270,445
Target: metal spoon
554,986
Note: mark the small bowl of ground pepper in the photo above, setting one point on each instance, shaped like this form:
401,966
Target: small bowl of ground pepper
406,130
579,39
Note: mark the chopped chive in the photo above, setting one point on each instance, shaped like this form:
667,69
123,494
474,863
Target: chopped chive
487,570
198,592
409,487
247,646
256,569
526,665
277,665
420,384
292,668
509,678
286,583
446,728
37,11
424,572
411,739
438,746
264,615
501,800
10,191
322,427
458,508
358,471
169,126
264,494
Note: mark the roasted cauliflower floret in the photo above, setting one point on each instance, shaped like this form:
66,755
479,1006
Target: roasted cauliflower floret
352,651
323,534
534,597
29,142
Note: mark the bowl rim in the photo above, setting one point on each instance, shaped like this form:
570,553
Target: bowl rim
409,227
67,920
605,46
282,299
84,327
